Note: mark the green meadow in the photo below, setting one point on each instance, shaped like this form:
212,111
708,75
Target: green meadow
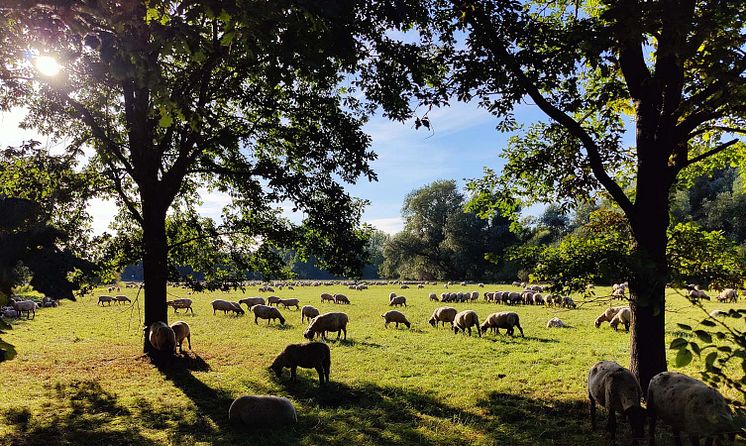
80,377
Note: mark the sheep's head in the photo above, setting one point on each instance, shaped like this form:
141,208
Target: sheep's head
433,322
597,323
308,334
277,367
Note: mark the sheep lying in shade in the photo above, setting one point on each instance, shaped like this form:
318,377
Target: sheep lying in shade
616,389
556,322
395,317
289,303
607,315
465,320
688,405
251,301
262,411
162,337
308,312
624,316
398,301
327,322
312,355
182,331
506,319
443,315
268,313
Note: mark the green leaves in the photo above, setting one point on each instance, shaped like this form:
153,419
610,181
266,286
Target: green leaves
683,358
678,343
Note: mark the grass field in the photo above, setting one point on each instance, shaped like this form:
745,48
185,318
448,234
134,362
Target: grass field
80,379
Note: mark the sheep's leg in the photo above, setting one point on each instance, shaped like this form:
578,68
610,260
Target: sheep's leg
189,340
519,328
611,427
320,371
345,330
592,406
256,319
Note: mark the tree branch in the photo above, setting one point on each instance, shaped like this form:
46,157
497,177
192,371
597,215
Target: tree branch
709,153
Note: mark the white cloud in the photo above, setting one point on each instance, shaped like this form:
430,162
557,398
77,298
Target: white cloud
390,225
103,213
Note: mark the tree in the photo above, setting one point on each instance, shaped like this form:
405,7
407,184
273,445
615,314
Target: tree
673,69
244,97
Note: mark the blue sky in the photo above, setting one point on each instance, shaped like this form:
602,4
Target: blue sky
463,140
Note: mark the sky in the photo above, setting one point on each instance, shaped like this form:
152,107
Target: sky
461,142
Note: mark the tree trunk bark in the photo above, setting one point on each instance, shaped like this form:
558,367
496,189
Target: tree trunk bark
155,266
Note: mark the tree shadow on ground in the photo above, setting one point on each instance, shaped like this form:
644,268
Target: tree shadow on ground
79,413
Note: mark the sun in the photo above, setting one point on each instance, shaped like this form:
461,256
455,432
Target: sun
47,65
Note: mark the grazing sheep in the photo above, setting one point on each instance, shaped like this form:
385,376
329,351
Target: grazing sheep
538,299
398,301
341,299
513,298
395,317
289,303
688,405
327,322
251,301
624,316
475,295
266,312
122,298
226,306
25,306
567,302
273,300
506,319
607,315
182,331
697,294
433,297
262,411
616,389
105,299
728,295
392,295
556,322
308,312
443,315
162,337
326,297
179,304
312,355
465,320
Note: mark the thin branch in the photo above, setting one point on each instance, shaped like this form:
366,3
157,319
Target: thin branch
709,153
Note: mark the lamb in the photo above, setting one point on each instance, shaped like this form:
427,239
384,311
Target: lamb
268,313
616,389
262,411
289,303
433,297
102,299
728,295
395,317
556,322
273,300
443,315
465,320
182,331
162,337
335,322
688,405
226,306
624,316
25,306
251,301
122,298
308,312
506,319
398,301
607,315
341,299
312,355
326,297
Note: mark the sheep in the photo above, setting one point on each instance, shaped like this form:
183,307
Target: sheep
616,389
179,304
272,300
556,322
719,313
326,297
398,301
341,299
312,355
527,297
728,295
475,295
266,312
262,411
336,322
251,301
404,287
443,315
395,317
308,312
392,295
122,298
433,297
182,331
289,303
624,316
162,337
507,320
465,320
513,298
538,299
226,306
697,294
567,302
607,315
25,306
688,405
102,299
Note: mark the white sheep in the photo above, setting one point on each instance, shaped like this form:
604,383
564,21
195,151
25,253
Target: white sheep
398,301
327,322
162,337
616,389
728,295
607,315
24,306
624,316
182,331
266,312
396,317
262,411
308,312
465,320
443,315
556,322
506,319
688,405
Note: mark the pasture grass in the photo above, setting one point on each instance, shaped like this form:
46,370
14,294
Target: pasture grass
80,377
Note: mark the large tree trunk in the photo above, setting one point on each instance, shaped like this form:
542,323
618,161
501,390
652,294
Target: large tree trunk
155,265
